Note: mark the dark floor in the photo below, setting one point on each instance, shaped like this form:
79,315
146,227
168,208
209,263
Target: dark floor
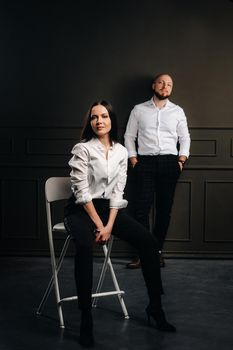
198,300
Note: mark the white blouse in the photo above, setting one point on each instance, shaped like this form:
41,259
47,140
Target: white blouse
94,176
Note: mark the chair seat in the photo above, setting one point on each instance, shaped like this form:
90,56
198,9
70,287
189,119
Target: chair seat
59,227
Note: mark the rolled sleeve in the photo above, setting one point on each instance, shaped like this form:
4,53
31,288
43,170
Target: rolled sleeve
116,199
131,134
118,204
184,136
79,174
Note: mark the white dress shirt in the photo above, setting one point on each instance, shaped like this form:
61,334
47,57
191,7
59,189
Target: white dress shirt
94,176
157,130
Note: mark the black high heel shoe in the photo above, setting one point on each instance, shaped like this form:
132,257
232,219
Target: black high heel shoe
160,320
86,338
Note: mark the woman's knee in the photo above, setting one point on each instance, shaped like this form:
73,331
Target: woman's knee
83,244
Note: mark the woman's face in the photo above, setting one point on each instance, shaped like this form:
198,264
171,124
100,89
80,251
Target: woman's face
100,121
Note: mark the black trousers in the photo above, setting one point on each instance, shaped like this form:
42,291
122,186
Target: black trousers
79,224
156,177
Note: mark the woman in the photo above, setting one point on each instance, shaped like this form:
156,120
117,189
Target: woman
98,177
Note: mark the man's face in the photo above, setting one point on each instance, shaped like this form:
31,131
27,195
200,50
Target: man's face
162,87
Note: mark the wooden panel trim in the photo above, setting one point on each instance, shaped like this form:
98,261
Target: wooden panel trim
205,154
231,149
189,239
205,206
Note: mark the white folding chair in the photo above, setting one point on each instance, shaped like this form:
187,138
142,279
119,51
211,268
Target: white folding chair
59,188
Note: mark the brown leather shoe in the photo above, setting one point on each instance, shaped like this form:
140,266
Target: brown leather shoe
134,264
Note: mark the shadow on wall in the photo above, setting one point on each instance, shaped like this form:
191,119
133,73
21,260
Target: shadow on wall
130,92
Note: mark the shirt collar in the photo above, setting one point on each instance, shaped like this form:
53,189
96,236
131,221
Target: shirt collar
99,145
167,105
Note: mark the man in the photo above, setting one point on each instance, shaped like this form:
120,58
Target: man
159,128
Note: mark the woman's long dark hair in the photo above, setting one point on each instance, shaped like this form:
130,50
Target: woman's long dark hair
87,132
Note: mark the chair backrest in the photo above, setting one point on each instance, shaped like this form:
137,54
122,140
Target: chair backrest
57,188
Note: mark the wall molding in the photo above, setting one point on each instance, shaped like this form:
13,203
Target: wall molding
205,212
214,154
189,234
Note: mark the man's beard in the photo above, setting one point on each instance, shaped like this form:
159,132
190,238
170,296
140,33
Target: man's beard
161,97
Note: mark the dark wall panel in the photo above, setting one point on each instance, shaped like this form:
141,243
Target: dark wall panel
20,208
202,211
180,227
218,211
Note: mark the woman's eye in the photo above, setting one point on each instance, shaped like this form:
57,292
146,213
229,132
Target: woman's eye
93,117
105,116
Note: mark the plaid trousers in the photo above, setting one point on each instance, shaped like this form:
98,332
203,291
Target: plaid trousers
156,178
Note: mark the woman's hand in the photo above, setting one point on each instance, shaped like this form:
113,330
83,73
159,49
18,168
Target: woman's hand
103,234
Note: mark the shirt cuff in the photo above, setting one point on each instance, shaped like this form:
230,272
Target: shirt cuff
118,204
85,198
132,154
184,153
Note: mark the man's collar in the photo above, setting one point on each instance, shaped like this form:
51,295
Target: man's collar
167,104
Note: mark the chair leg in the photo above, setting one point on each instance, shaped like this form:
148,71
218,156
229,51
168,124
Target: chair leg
106,251
107,262
59,306
120,297
54,282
